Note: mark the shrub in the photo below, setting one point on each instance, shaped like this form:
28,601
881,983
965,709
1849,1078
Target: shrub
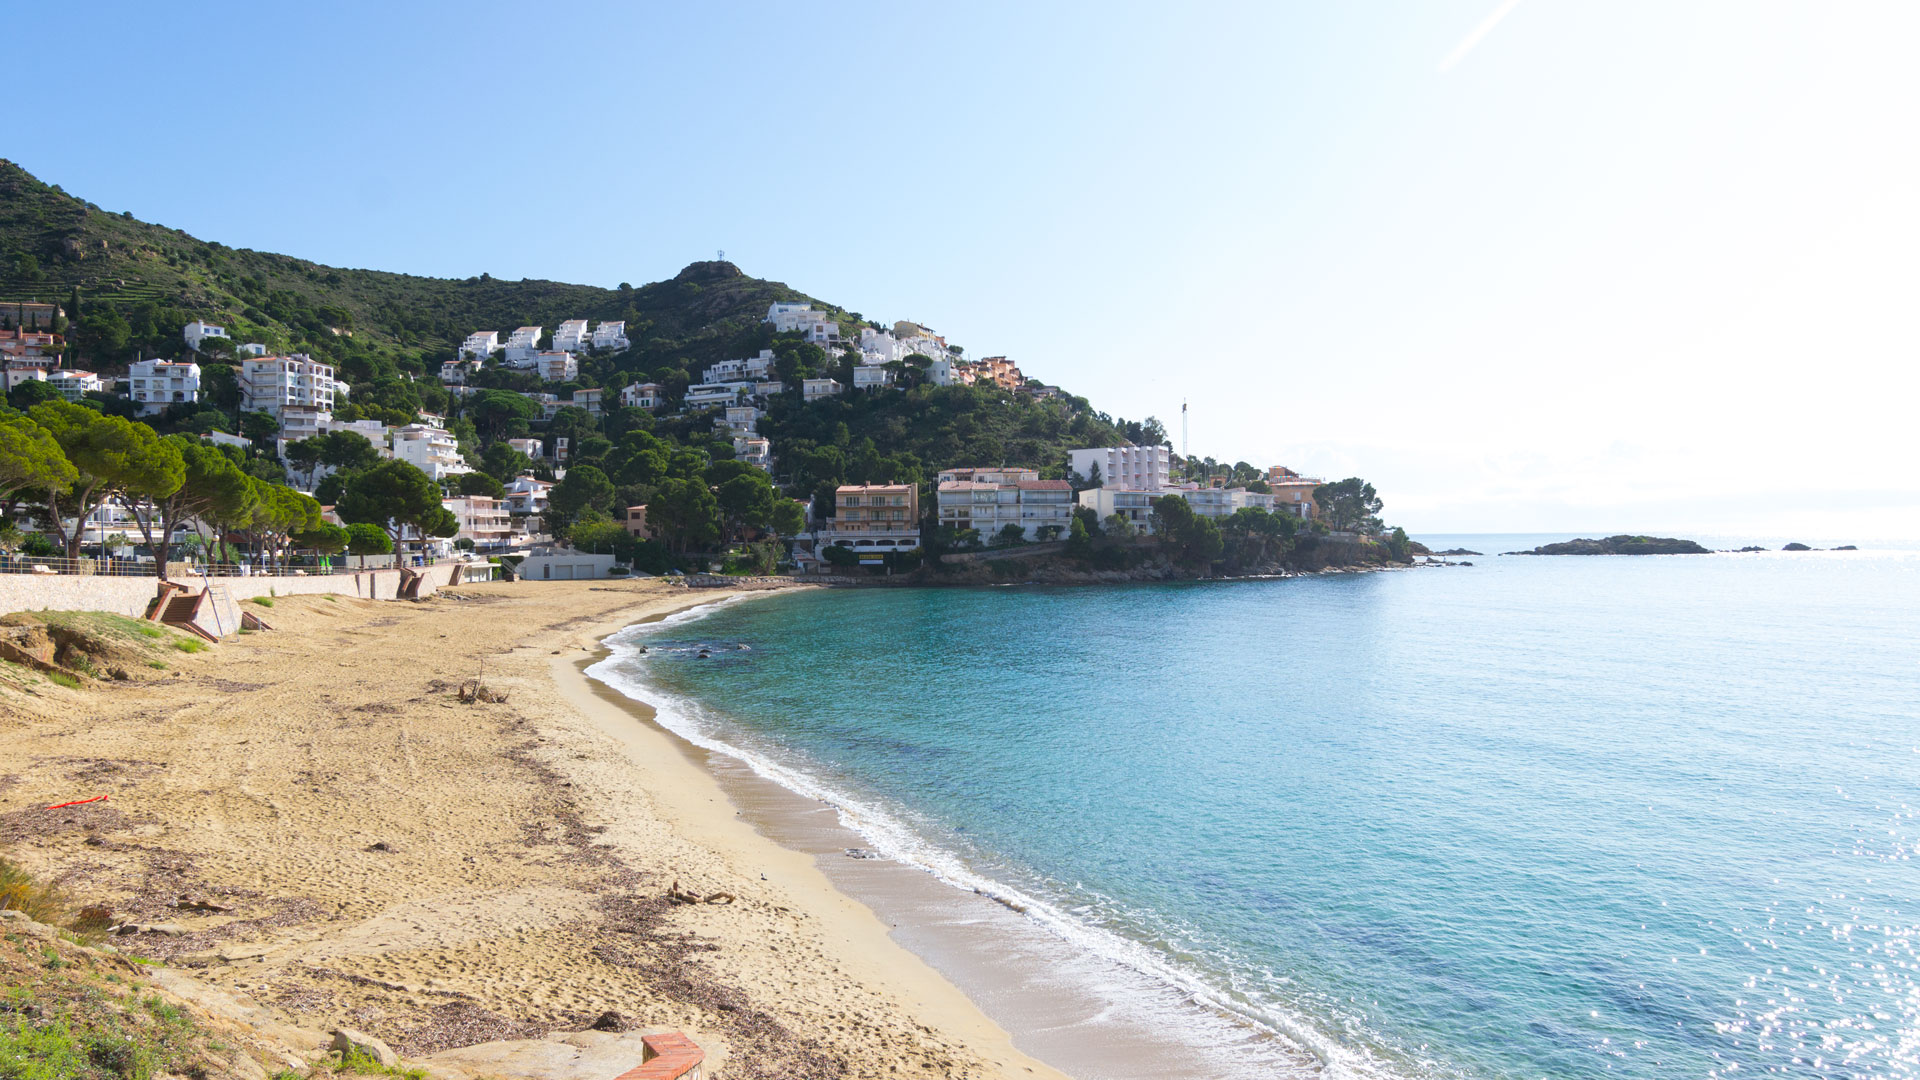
190,645
43,903
61,678
263,601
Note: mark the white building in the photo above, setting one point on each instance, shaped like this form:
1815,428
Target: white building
814,325
1136,507
753,451
454,372
430,449
610,335
753,367
992,499
481,344
1133,468
197,332
588,400
520,347
740,420
556,366
71,383
527,495
277,384
484,520
251,348
815,389
643,395
156,384
530,447
871,377
571,336
726,393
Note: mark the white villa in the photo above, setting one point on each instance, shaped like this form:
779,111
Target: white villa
530,447
1130,468
571,336
521,347
754,367
72,383
197,332
725,393
644,395
480,344
429,448
813,325
871,377
753,451
815,389
156,384
610,335
526,495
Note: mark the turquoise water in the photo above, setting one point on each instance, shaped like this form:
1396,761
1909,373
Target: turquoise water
1574,817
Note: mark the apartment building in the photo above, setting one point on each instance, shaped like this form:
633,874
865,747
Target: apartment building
989,500
27,315
815,389
521,346
588,400
430,449
1133,468
480,344
571,336
740,420
721,393
1136,507
73,384
754,451
279,383
527,495
156,384
556,366
484,520
1292,492
873,519
611,336
997,370
753,367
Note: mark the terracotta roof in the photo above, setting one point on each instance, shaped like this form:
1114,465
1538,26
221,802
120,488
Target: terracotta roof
1044,485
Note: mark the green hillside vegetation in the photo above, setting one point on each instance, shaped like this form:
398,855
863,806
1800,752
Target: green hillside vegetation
129,286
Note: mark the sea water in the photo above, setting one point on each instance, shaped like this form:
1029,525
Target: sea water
1537,817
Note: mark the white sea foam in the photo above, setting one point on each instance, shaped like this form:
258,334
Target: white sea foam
1310,1050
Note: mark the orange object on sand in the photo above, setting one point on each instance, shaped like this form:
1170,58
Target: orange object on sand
78,802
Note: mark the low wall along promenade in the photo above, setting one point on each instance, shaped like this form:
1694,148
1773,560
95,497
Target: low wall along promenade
130,595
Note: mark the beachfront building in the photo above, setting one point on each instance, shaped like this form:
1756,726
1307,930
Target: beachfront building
156,384
610,336
571,336
73,384
636,522
479,345
527,495
1292,492
1135,507
197,332
429,448
815,389
1134,468
521,346
990,500
556,366
645,395
483,520
873,519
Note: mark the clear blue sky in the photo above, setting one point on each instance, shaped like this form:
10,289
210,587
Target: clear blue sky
1524,265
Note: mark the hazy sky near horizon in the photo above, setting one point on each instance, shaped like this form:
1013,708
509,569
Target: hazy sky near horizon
1525,264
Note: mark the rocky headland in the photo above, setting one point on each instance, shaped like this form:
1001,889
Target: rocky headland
1620,545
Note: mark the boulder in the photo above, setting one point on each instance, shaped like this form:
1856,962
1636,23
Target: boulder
347,1040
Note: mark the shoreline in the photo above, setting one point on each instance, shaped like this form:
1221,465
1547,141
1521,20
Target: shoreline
373,850
693,797
1071,1002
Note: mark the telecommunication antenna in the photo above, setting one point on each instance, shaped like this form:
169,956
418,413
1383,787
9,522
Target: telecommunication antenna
720,256
1183,427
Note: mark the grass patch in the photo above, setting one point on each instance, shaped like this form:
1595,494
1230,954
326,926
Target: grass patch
190,645
157,665
19,891
152,631
61,678
357,1063
262,601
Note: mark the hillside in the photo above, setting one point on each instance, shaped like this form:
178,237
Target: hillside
52,243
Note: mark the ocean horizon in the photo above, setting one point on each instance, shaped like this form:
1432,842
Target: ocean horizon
1539,817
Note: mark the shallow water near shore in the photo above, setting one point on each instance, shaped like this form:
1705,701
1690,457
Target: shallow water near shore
1567,817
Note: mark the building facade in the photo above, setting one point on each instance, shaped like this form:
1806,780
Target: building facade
1134,468
873,519
483,520
990,500
571,336
610,336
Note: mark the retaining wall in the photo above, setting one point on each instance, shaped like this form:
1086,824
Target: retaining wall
130,595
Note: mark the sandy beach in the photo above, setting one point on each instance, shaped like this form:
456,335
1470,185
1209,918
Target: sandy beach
356,845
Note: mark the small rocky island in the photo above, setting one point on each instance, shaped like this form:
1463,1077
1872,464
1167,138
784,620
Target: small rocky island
1620,545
